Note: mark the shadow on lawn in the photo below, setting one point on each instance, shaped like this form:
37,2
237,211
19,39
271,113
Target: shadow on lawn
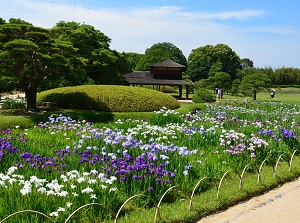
41,114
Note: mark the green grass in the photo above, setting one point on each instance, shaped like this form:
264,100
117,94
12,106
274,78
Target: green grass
28,119
287,95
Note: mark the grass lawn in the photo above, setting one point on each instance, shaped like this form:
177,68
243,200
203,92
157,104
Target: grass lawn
286,95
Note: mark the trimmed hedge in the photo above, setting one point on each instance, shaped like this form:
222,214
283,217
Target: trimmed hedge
109,98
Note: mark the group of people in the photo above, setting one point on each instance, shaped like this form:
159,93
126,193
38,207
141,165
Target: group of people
219,92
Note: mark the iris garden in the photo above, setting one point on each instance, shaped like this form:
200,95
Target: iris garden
63,164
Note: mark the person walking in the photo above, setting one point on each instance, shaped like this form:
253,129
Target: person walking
272,94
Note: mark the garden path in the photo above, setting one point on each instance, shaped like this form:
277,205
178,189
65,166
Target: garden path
280,205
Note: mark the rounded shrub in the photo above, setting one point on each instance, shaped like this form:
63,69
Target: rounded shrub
204,95
108,98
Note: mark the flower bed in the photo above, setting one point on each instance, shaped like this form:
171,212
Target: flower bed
64,164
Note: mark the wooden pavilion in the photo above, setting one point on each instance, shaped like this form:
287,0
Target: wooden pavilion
163,73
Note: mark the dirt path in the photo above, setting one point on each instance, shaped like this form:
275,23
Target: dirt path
281,205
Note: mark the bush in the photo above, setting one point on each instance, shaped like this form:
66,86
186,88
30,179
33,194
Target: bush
203,95
12,104
109,98
165,116
168,89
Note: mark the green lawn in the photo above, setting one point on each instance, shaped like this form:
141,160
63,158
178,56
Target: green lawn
287,95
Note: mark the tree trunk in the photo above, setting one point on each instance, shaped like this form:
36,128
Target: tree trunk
254,95
30,94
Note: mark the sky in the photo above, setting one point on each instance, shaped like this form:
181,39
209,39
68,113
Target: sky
265,31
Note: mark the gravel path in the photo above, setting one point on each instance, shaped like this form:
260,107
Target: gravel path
281,205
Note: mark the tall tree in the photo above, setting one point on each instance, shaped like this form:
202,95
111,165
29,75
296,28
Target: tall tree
222,80
29,54
103,65
132,59
202,59
160,52
252,83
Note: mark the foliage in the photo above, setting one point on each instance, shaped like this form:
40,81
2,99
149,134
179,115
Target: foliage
160,52
102,65
235,86
30,56
8,83
252,83
202,59
133,59
221,80
279,76
204,95
203,83
168,89
12,104
164,117
246,63
108,98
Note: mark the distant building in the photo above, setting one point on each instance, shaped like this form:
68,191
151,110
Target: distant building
163,73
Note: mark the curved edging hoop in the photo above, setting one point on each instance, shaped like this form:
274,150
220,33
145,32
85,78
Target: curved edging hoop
276,166
241,176
86,205
259,171
137,195
25,211
192,195
291,160
160,200
220,183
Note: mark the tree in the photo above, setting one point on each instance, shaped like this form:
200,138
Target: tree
132,59
235,86
31,56
246,71
202,59
246,62
222,80
103,65
8,83
160,52
215,68
2,21
252,83
204,83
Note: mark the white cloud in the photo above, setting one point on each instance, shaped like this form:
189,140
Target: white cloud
239,15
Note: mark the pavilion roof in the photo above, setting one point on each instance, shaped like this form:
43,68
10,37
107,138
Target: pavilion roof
167,63
145,78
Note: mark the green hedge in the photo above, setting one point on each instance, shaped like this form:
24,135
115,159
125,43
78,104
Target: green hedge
109,98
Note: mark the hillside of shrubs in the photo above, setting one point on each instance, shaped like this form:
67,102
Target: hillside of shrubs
109,98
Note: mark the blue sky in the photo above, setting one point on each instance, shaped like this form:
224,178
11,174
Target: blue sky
265,31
